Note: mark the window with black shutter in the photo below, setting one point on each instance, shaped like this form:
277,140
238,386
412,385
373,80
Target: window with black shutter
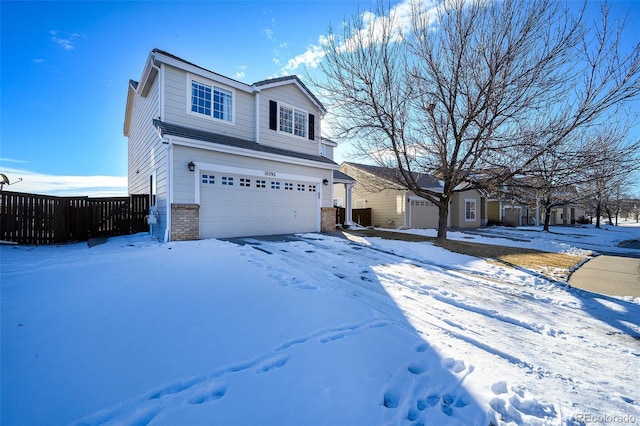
312,127
273,115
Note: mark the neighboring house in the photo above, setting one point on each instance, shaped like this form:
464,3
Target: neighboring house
509,211
221,158
395,207
506,208
567,214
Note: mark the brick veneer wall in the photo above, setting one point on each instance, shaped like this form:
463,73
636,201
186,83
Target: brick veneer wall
328,219
185,222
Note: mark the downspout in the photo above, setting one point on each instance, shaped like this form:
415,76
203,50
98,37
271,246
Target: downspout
257,120
167,231
169,142
161,88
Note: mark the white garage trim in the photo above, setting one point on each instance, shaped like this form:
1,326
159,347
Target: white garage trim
268,174
263,175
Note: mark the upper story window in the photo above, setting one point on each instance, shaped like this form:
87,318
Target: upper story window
211,101
288,119
293,121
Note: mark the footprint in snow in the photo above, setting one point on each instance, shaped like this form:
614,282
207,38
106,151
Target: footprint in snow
209,393
519,409
177,387
418,367
273,363
422,347
499,387
455,366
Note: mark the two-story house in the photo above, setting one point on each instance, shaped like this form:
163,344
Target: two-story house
220,158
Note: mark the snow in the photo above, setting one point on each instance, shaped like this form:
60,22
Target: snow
314,330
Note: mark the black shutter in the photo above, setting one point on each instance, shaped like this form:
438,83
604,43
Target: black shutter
273,115
312,127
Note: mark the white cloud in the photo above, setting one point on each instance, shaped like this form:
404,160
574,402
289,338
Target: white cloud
240,73
60,185
311,58
269,33
401,13
67,41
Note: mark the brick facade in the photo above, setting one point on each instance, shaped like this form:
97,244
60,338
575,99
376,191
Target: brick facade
328,219
185,222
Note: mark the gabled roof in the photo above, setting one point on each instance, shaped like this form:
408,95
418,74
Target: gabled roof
340,177
212,74
255,87
424,180
291,79
158,56
215,138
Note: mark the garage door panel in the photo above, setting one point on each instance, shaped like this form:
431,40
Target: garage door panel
255,206
424,214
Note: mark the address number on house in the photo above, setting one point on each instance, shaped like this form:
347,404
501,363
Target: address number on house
270,174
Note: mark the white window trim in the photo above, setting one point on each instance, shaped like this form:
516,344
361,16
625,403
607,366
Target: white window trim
475,209
293,124
214,85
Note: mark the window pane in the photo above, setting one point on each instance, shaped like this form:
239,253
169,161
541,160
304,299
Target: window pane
200,98
300,121
286,119
222,104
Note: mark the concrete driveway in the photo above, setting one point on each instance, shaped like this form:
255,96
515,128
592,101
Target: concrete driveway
610,275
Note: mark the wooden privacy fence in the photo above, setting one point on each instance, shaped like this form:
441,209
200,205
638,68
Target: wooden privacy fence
43,219
360,216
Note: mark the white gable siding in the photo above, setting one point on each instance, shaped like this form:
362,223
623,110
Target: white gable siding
178,102
291,95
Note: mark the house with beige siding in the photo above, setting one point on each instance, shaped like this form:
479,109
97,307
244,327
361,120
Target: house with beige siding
520,208
221,158
395,207
509,212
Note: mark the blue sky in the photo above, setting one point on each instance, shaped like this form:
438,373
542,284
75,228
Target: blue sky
65,67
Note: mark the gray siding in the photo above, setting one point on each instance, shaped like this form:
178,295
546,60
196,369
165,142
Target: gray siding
146,153
291,95
177,101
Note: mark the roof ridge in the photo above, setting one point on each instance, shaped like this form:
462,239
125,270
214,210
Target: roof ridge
178,58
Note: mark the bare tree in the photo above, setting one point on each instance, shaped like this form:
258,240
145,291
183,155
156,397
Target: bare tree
610,163
552,181
469,86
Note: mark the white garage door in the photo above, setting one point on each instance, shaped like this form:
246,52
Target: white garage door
234,205
423,214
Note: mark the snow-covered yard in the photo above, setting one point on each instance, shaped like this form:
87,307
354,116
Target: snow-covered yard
317,330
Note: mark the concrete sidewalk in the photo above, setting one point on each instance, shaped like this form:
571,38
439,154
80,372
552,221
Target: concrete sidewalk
610,275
